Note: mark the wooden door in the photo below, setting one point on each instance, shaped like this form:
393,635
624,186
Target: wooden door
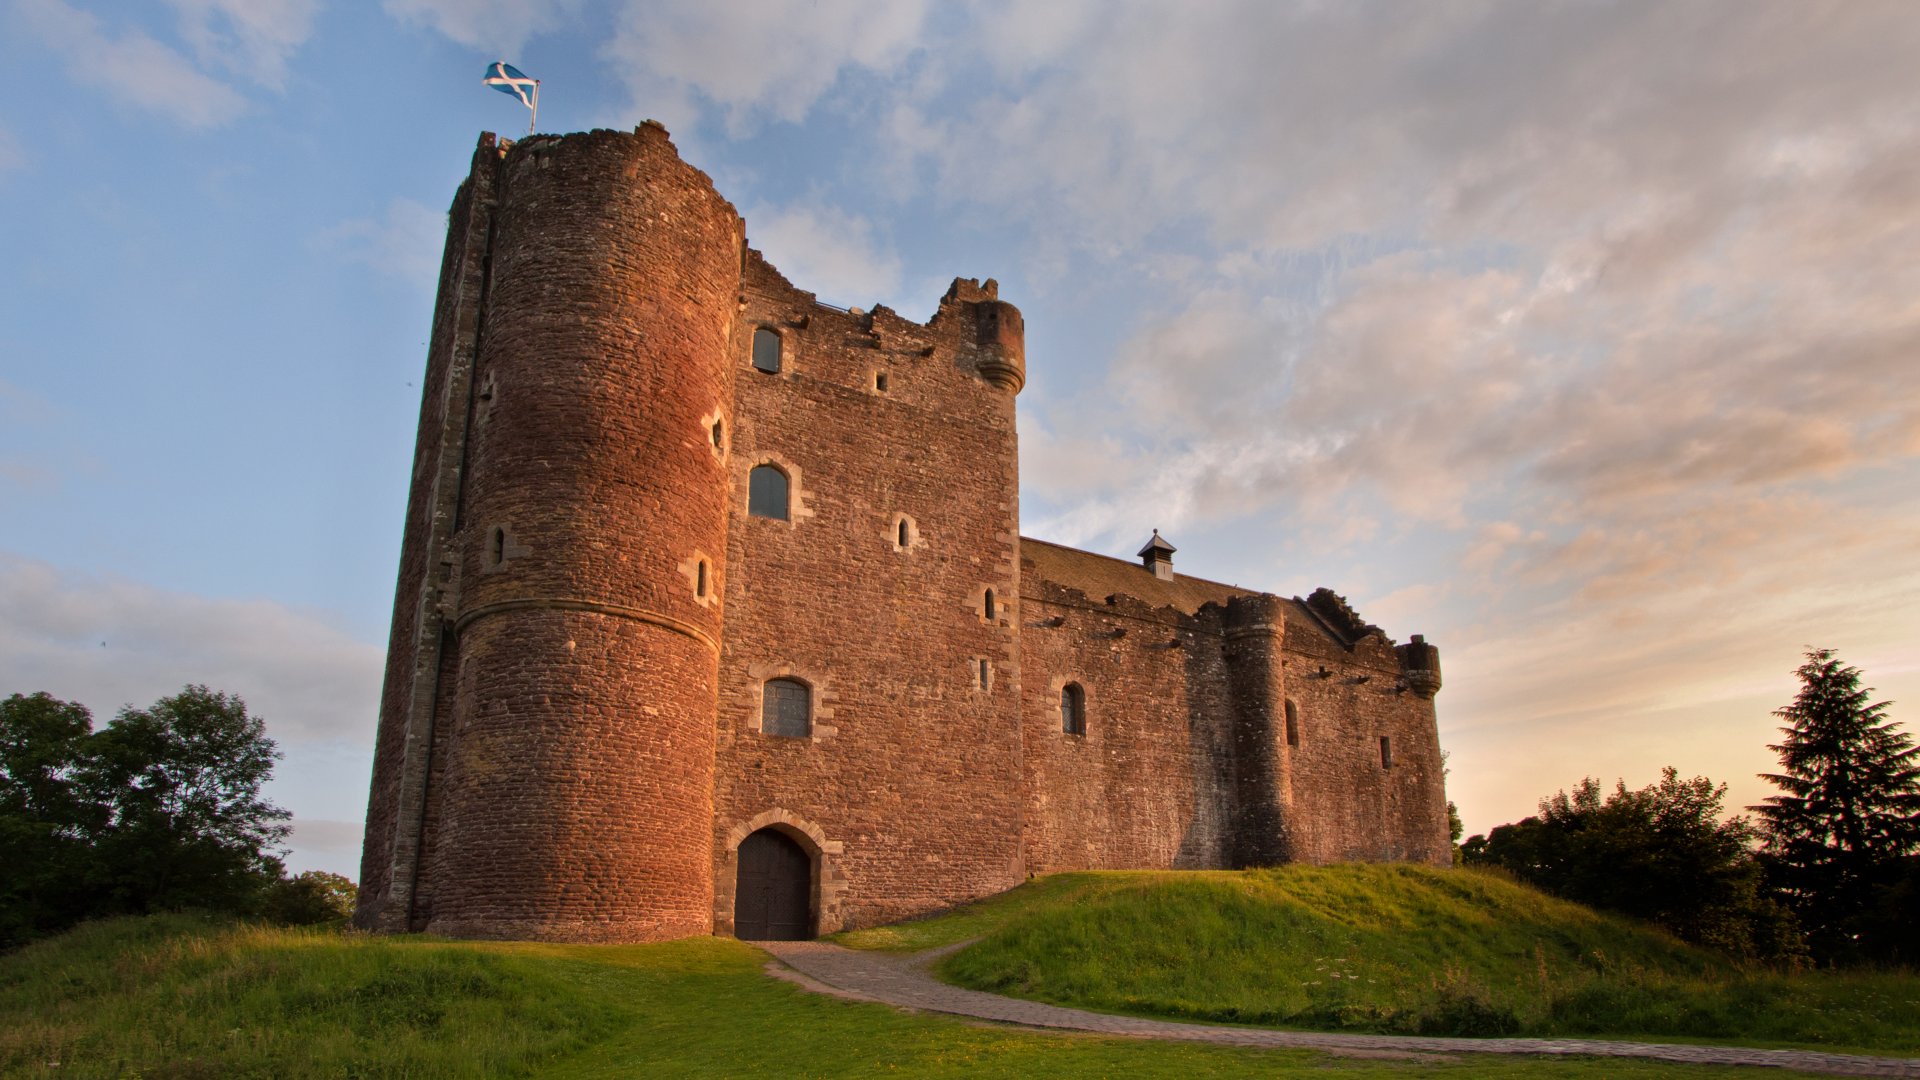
774,894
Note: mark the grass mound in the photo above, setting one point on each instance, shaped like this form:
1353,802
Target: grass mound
186,996
1397,949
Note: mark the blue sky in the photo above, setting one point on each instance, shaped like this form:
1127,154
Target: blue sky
1580,337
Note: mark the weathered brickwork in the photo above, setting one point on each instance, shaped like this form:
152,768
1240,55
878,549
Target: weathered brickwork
577,731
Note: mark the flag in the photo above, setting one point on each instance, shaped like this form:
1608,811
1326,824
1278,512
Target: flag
507,79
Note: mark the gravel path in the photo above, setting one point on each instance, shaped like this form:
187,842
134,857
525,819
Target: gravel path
903,981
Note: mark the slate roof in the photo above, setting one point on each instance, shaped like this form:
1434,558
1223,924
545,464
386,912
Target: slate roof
1101,576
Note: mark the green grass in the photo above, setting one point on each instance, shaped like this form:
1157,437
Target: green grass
177,997
1391,949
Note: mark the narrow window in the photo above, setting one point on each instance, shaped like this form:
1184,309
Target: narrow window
880,381
766,350
497,547
767,492
786,708
990,609
1386,752
1293,724
1073,709
983,674
903,532
700,579
719,436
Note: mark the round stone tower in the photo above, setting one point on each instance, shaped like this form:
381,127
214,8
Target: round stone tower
574,798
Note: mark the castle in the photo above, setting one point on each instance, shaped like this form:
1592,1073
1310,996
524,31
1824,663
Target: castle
714,615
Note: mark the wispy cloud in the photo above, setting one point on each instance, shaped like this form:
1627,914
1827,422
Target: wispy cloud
756,59
130,66
835,253
504,26
405,242
251,38
107,642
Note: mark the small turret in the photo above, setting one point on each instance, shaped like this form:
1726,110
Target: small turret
1420,666
1000,333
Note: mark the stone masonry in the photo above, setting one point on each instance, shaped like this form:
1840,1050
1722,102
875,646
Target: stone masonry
576,729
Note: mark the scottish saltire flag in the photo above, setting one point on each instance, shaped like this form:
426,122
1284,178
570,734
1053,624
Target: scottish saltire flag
507,79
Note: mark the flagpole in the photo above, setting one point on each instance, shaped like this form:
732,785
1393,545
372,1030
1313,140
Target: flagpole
531,120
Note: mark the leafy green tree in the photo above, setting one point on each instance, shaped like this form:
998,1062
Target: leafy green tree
1839,835
45,822
1661,853
185,822
161,809
313,896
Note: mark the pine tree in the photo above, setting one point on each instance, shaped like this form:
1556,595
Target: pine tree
1848,816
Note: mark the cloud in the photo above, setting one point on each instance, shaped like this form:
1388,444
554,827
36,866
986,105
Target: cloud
107,642
503,26
131,66
251,38
833,252
757,59
405,242
326,844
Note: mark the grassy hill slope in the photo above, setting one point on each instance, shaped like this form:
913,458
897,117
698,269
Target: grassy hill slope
1390,948
177,998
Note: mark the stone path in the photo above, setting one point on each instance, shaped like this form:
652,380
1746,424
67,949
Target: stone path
903,981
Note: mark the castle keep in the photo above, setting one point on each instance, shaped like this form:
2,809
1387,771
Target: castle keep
714,615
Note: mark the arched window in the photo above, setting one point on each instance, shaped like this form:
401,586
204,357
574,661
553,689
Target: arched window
1293,724
989,607
767,492
786,708
700,579
903,532
497,547
1073,709
766,350
719,435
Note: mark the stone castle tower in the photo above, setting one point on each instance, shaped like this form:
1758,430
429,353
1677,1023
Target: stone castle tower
713,612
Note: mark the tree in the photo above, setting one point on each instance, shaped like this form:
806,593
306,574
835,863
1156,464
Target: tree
44,820
1661,853
314,896
1838,837
161,809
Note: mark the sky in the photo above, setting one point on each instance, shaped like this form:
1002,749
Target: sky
1582,338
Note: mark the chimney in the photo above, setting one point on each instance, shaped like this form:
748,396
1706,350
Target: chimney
1157,556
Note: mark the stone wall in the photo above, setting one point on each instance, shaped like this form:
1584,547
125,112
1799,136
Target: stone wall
907,791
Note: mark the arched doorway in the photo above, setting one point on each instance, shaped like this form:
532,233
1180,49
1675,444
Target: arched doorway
773,898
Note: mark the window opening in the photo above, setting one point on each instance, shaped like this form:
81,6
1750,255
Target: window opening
990,606
1293,724
767,492
497,547
1386,752
700,579
1073,709
766,350
983,675
880,381
786,708
719,436
903,533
